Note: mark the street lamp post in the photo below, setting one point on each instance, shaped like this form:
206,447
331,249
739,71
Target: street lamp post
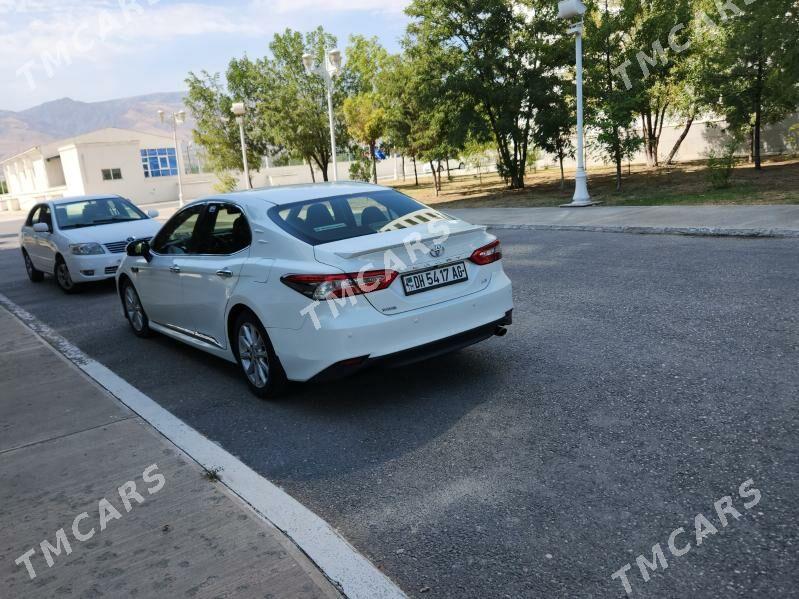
569,9
176,118
239,109
328,72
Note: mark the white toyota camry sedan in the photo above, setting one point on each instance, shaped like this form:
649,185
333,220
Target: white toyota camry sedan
313,282
81,239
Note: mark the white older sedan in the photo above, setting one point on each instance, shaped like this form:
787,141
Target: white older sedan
316,281
81,239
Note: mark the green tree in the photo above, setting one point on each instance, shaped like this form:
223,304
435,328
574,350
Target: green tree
366,122
656,44
496,56
366,59
216,130
291,104
555,128
364,109
752,69
610,109
286,108
409,88
399,97
442,117
475,152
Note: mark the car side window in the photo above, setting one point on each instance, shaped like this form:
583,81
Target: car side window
178,235
225,230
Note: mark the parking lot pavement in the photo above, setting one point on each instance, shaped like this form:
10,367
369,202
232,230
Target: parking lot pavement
644,379
93,502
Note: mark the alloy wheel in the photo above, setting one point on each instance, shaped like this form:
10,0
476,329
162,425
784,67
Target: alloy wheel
253,355
28,265
63,276
133,308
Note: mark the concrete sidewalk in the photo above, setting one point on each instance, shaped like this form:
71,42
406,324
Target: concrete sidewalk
109,507
739,221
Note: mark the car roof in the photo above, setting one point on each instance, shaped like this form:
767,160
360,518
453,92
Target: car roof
288,194
69,200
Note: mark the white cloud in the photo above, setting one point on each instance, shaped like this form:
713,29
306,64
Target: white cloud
43,41
90,34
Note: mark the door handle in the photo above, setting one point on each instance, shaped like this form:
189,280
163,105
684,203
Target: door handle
225,273
174,268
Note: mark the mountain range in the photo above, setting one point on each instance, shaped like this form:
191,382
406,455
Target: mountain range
66,117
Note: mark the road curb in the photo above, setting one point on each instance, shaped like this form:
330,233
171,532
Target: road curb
688,231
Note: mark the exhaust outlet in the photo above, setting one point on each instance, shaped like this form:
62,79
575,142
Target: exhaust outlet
501,331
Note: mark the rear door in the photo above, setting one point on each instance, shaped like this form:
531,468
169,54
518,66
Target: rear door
210,274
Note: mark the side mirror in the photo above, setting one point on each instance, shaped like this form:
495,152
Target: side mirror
153,213
41,228
140,248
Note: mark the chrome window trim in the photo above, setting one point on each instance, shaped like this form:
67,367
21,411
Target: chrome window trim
205,203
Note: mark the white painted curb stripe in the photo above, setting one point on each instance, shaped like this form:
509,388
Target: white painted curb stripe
357,577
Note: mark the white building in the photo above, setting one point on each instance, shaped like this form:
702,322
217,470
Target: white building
142,167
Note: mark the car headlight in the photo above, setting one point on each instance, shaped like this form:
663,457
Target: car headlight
86,249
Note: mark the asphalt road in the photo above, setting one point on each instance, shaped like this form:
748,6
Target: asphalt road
644,378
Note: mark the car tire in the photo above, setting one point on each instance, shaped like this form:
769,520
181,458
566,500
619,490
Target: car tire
34,274
256,357
62,277
134,311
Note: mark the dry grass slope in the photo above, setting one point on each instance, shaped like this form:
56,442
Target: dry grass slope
681,184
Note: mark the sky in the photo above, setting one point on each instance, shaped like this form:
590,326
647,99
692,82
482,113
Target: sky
92,50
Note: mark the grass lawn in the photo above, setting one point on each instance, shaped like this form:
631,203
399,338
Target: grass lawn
681,184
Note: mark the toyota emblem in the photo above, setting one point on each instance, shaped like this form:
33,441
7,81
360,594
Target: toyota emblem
436,250
130,239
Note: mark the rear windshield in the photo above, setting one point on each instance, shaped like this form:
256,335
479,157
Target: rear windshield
90,213
353,215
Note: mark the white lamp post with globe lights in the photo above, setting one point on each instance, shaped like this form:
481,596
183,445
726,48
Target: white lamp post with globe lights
570,9
239,109
328,72
176,118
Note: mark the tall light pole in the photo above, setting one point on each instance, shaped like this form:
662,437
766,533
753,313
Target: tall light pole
328,72
176,118
239,109
570,9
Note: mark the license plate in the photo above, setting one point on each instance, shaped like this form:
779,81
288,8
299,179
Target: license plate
433,278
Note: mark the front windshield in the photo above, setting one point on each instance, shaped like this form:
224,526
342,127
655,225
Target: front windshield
101,211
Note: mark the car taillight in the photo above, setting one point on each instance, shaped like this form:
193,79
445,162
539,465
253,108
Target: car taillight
323,287
486,254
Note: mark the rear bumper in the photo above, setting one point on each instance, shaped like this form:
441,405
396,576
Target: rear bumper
360,333
416,354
